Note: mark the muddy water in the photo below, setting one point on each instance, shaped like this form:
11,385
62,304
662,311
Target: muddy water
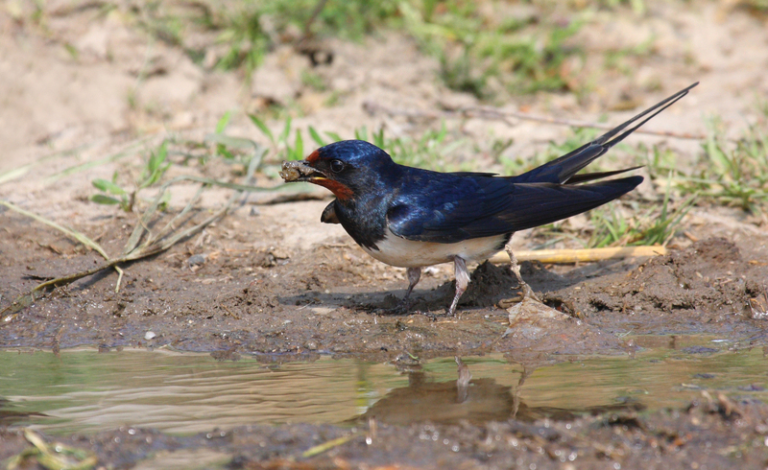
87,391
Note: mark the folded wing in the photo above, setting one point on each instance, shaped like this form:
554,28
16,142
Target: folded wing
494,206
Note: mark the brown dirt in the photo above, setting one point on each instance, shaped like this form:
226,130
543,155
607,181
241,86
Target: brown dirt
278,284
707,434
332,299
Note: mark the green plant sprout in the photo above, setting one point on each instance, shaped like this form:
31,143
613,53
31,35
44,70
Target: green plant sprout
735,175
281,146
430,150
153,171
650,227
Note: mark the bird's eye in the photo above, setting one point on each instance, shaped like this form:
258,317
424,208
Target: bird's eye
337,166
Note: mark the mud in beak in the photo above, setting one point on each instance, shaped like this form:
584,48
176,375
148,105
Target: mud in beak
300,171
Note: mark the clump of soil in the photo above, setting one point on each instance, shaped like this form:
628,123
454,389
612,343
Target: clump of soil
489,284
709,283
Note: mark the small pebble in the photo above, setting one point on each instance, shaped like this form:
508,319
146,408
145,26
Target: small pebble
322,310
149,335
196,260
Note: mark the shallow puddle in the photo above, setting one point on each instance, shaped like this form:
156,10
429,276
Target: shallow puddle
182,393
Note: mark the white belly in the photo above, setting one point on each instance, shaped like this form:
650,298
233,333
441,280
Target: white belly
400,252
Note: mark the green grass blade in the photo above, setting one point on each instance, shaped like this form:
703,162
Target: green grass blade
16,173
298,148
68,232
286,131
103,199
223,122
108,187
263,127
316,137
334,136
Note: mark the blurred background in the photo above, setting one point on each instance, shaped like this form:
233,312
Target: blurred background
452,85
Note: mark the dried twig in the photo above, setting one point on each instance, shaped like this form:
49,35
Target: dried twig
326,446
494,114
55,457
581,256
77,236
142,242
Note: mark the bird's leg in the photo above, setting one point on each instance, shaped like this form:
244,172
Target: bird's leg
462,281
414,274
527,291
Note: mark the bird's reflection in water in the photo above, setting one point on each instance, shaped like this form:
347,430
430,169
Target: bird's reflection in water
466,399
9,416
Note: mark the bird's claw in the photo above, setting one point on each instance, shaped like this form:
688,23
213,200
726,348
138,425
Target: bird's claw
403,308
528,293
525,293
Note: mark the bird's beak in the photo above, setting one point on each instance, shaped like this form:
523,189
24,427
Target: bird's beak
300,171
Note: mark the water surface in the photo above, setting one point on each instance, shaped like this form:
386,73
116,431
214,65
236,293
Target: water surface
85,390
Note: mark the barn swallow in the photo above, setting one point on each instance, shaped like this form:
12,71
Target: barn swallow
413,218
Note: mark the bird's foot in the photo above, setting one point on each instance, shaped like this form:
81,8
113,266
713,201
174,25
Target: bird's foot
528,293
515,267
403,308
452,312
462,281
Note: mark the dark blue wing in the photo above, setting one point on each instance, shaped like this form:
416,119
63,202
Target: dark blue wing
452,208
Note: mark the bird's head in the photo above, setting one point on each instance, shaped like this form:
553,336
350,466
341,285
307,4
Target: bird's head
348,168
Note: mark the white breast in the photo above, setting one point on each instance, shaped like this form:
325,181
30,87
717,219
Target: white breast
397,251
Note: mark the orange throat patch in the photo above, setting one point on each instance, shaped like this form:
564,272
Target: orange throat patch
341,191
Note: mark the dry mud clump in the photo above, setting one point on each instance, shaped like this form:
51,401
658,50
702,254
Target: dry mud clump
708,284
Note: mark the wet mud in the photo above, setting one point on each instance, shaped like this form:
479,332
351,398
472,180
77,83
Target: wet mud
283,305
713,432
332,300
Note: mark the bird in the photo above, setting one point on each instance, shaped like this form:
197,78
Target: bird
414,218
